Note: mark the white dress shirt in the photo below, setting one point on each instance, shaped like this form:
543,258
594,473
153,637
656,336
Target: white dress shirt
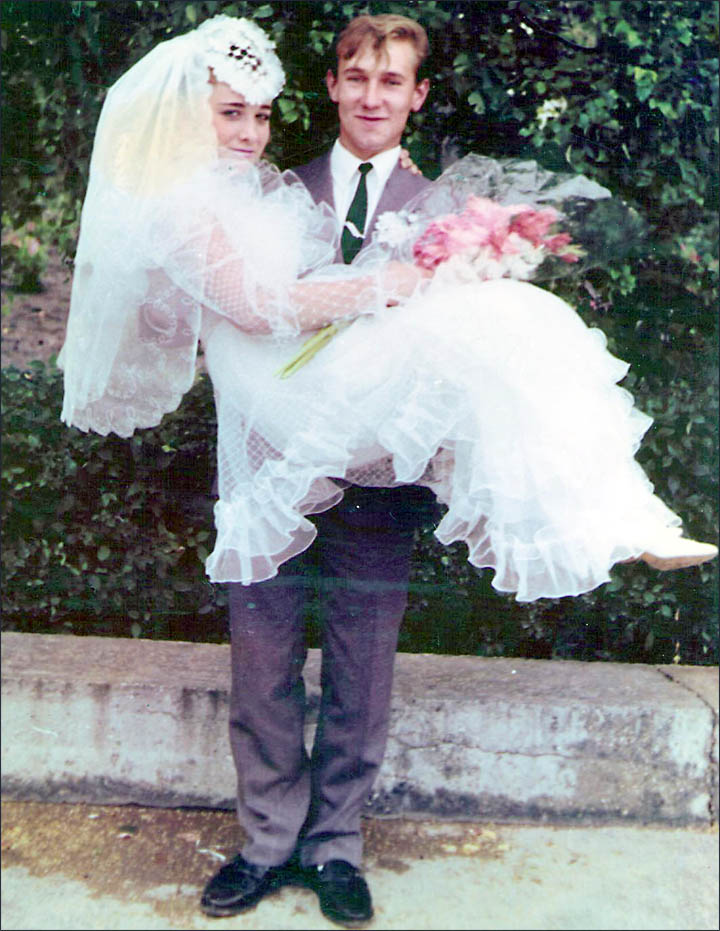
346,177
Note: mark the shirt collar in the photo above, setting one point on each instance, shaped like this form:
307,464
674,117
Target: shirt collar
344,164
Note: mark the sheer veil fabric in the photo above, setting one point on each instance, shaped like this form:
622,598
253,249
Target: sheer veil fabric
495,394
168,228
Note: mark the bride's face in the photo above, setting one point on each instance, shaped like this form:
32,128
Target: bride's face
242,130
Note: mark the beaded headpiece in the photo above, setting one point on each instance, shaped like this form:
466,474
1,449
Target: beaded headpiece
241,55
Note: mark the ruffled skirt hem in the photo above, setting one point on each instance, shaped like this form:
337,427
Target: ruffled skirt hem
497,397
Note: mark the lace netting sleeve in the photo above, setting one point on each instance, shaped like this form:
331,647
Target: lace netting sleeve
270,260
265,304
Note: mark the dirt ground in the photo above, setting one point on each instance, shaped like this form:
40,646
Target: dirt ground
33,325
128,867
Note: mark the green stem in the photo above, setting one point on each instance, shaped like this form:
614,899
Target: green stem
311,347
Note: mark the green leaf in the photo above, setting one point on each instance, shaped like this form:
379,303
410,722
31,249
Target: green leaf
633,38
645,81
664,106
477,102
288,109
461,63
103,553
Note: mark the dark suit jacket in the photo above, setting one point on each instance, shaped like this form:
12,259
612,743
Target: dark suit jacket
401,187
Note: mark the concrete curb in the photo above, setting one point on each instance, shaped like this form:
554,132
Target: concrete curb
114,721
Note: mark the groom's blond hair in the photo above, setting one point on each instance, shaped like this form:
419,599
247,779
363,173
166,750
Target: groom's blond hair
376,31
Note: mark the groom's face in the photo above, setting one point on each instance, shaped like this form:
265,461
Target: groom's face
375,93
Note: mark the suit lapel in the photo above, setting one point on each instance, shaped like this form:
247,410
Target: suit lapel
321,184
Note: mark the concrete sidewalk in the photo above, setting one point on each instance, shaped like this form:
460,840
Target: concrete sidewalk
527,794
79,867
93,719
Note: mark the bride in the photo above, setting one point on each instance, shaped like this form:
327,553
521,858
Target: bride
493,394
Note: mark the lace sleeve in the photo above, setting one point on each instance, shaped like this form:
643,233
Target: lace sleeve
253,247
270,304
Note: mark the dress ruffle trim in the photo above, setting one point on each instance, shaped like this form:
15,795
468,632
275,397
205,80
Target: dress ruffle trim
539,479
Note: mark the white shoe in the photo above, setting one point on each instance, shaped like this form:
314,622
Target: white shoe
673,552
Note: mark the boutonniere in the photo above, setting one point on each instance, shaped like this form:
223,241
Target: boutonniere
393,228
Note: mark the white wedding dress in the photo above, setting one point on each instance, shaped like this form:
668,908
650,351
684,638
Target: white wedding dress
495,395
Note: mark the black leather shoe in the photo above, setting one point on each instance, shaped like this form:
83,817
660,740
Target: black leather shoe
237,886
343,893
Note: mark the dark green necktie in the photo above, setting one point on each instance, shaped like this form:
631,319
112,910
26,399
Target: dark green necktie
356,216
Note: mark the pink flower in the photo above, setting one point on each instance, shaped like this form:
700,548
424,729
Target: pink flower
492,218
558,244
691,254
513,244
497,240
463,236
533,224
432,247
487,211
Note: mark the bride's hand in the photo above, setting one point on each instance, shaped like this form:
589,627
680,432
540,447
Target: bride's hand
400,279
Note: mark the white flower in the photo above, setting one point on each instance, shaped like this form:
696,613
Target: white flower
550,110
522,265
393,229
460,268
485,265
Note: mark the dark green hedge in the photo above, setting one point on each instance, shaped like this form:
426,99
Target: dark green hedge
107,536
104,534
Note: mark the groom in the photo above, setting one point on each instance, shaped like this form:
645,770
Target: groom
302,815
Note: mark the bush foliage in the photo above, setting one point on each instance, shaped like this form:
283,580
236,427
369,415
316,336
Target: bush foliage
108,536
624,92
100,530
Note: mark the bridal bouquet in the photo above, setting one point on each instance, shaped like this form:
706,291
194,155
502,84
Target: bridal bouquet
490,240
